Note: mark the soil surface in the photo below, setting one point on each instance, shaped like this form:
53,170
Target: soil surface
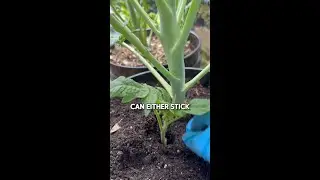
123,56
136,152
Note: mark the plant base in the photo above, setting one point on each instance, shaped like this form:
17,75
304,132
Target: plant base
136,151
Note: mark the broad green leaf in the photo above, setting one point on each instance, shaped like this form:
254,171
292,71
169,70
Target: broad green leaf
198,106
116,82
151,98
127,89
128,98
156,95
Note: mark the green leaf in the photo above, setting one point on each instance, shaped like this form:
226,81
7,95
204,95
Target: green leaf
163,95
127,89
178,112
128,98
151,98
156,95
167,115
170,116
198,106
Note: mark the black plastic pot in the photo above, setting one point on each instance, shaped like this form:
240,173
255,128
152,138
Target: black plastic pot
148,78
193,59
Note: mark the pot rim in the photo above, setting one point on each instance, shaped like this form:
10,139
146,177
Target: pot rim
144,67
146,72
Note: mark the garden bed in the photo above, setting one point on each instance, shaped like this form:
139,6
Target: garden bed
136,152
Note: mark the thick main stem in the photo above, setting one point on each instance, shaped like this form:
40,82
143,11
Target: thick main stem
177,69
180,10
191,16
170,34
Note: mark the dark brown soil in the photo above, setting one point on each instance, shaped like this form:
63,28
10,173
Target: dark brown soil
123,56
136,152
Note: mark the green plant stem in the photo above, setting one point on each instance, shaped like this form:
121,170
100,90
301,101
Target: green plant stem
168,27
145,16
169,36
158,119
126,32
164,128
189,22
188,5
163,132
143,35
143,25
150,39
158,19
173,42
151,69
181,8
135,19
116,12
163,7
133,15
193,81
172,4
173,38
